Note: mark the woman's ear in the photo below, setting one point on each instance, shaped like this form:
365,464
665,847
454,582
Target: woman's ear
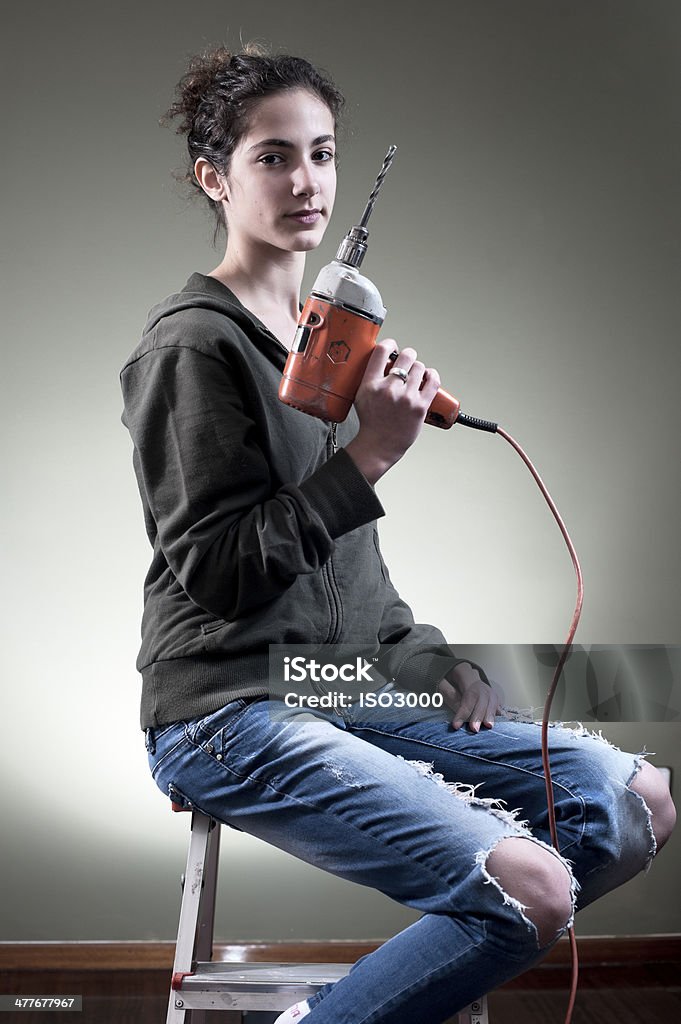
212,183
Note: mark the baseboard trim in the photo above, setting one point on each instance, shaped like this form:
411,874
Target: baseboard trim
623,951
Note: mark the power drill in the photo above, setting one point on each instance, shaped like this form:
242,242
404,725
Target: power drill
337,332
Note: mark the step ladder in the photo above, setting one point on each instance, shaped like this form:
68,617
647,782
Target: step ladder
200,984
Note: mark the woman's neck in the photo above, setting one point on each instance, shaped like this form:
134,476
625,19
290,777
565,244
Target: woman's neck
270,287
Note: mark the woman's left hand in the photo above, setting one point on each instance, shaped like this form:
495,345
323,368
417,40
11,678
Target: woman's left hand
471,699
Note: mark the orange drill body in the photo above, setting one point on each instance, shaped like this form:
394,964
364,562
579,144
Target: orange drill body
328,359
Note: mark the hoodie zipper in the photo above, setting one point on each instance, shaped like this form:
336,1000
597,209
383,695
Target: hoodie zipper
328,568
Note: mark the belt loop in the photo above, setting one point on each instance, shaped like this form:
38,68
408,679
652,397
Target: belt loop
149,741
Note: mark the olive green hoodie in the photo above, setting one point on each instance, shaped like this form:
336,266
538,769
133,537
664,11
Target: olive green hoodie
262,527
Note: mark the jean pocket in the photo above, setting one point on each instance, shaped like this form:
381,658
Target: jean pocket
213,730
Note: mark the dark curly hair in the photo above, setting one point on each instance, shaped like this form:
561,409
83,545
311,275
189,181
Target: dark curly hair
217,93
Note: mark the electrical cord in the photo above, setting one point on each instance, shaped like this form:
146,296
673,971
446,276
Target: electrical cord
489,426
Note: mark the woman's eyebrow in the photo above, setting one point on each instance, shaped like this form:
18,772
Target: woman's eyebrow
286,144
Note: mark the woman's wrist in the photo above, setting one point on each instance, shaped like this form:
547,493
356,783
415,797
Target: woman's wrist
372,465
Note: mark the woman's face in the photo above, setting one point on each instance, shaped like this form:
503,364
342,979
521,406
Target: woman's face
281,182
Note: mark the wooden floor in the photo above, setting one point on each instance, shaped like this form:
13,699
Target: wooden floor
595,1006
634,980
621,1005
604,1006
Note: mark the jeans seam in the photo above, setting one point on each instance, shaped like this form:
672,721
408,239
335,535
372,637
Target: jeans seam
264,783
485,760
157,764
378,1013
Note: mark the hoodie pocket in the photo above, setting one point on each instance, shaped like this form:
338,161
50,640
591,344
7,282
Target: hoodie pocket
210,632
381,563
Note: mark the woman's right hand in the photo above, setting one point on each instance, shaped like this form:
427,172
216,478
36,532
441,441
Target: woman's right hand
391,410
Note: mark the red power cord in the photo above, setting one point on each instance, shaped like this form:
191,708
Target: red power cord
551,692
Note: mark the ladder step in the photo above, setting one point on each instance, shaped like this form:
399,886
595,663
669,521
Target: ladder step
270,986
217,972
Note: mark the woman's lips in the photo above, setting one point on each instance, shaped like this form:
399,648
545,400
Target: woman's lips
305,216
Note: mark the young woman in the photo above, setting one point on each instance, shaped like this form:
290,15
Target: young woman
262,521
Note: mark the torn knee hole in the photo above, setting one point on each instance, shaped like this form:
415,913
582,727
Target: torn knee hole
651,788
535,880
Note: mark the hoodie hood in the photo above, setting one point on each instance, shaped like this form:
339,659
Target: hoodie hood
203,292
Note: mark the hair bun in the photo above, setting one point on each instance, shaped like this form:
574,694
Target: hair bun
215,97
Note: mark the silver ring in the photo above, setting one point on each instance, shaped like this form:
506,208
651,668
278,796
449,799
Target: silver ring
397,371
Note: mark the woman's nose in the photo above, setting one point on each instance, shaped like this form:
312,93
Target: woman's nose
305,180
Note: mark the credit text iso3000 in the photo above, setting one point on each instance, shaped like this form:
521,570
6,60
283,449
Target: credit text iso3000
400,699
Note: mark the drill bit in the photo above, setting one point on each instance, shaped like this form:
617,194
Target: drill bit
352,249
375,190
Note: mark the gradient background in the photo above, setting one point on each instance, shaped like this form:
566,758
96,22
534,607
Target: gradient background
526,242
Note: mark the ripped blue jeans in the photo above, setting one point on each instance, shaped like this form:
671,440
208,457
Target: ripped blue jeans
413,808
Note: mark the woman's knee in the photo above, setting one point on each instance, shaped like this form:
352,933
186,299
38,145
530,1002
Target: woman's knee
651,785
537,879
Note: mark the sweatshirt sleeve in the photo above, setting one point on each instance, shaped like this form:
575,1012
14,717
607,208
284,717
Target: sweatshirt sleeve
232,540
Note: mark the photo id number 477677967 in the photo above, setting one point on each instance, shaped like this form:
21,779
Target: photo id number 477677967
21,1002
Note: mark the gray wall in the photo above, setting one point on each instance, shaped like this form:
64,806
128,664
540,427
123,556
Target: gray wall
526,241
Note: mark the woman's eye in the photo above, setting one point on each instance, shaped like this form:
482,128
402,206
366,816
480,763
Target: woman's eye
274,159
